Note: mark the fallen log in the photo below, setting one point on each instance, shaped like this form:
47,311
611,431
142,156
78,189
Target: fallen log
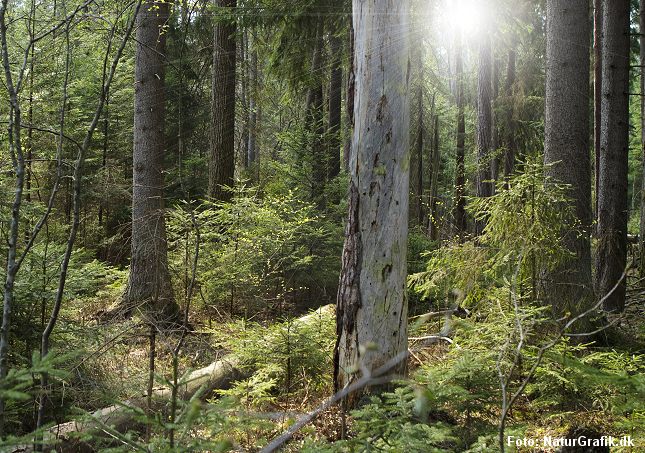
219,375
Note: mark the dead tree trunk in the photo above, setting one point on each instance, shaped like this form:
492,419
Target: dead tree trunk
372,303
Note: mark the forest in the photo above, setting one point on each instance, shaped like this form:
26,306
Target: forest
322,226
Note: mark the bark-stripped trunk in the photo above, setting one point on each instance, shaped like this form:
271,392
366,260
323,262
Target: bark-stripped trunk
484,185
566,147
433,223
597,71
149,281
611,256
372,303
460,172
314,123
509,154
221,168
641,237
335,106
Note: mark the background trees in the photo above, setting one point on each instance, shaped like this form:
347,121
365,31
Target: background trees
195,172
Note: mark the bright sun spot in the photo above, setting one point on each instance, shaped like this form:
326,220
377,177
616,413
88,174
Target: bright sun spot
463,15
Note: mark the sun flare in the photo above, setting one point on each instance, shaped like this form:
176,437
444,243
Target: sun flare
465,16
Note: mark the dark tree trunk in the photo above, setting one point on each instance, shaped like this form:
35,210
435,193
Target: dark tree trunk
244,95
566,147
149,281
335,106
460,172
484,185
597,72
372,302
494,163
509,155
315,125
221,167
611,256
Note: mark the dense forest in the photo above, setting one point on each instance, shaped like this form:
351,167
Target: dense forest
322,225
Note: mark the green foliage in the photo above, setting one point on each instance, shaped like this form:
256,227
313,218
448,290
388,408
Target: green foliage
256,252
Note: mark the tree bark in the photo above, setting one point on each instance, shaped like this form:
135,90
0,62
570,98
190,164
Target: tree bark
350,94
460,172
611,256
253,108
221,169
149,285
433,221
372,303
597,92
335,106
420,210
566,147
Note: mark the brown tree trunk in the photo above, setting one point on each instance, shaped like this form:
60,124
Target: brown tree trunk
221,169
335,106
149,283
611,255
434,225
372,302
460,172
566,147
420,190
641,237
253,109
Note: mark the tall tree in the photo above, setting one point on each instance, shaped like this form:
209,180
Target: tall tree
149,283
335,105
253,106
419,153
314,121
460,172
566,146
597,91
221,168
372,303
510,142
484,184
611,256
434,220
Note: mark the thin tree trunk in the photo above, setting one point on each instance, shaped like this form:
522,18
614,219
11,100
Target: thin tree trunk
335,106
566,147
484,185
611,255
372,302
253,107
314,123
494,163
434,226
245,98
222,159
420,189
460,172
509,155
149,285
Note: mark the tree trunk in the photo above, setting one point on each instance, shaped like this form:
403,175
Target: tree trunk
484,185
221,169
420,211
335,106
460,172
509,155
351,88
149,281
433,221
597,92
314,123
566,147
372,302
244,95
253,108
611,256
494,163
